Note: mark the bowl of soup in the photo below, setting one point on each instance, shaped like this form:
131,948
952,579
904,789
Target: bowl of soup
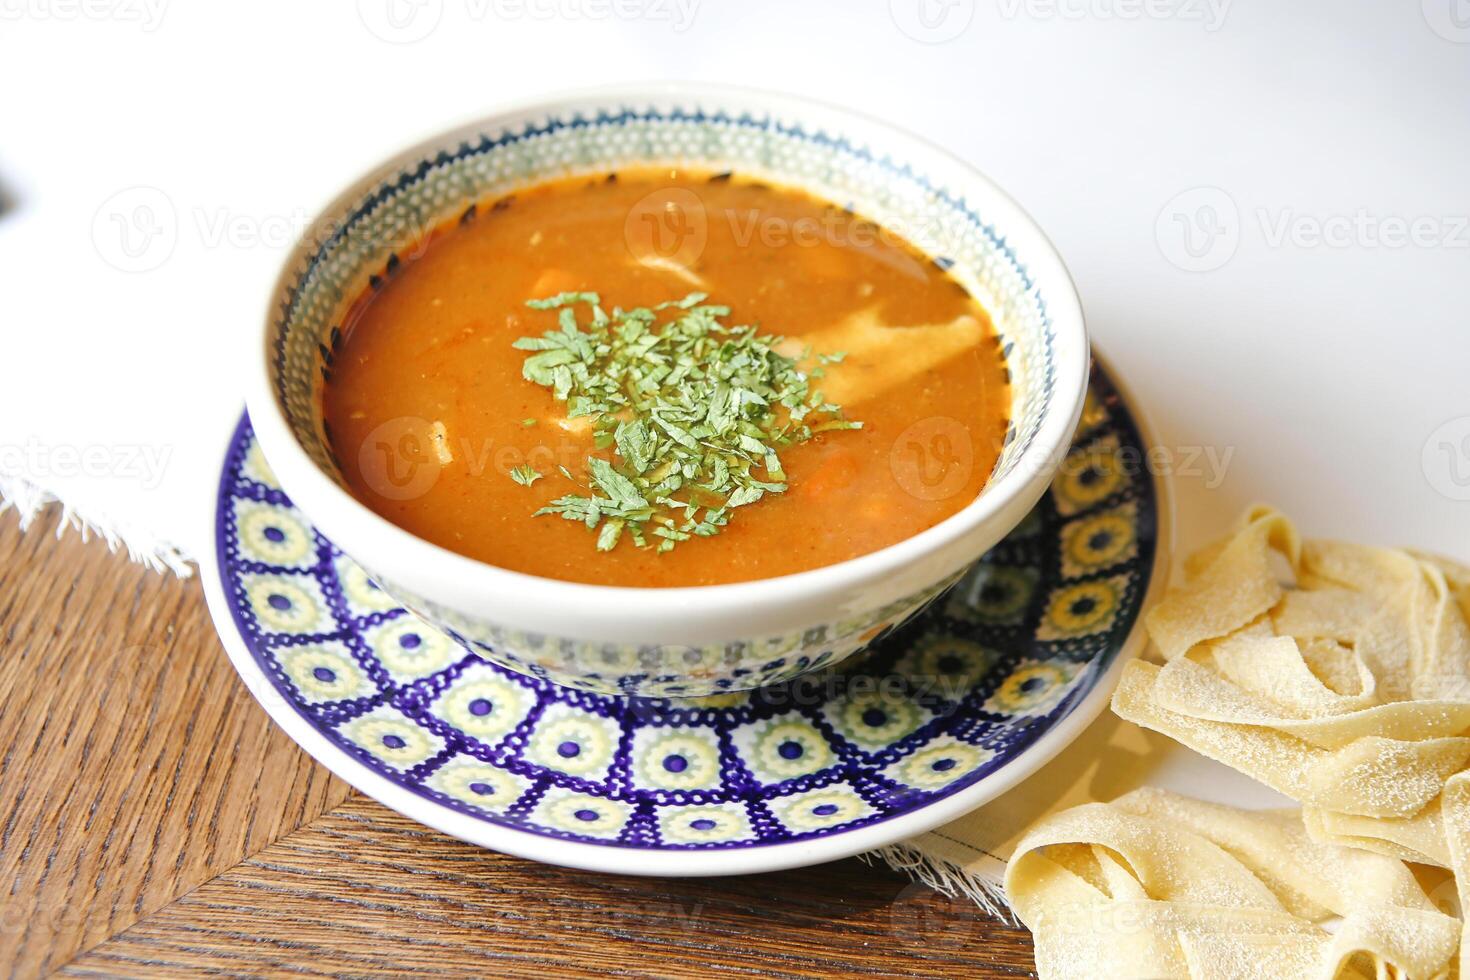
669,390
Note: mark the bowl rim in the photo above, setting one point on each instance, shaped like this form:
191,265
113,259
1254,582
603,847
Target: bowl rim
653,862
353,522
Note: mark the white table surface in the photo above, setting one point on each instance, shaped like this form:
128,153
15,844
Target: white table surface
1317,372
1328,375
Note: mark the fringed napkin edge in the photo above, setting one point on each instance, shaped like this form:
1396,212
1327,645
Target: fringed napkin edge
30,500
945,877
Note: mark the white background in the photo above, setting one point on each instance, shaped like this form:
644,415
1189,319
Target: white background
1317,372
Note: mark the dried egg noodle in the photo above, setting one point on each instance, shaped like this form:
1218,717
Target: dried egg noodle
1159,885
1338,675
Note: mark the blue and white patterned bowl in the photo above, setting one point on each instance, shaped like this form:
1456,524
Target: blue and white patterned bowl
943,714
712,639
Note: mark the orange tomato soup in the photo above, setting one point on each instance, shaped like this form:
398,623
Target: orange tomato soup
429,415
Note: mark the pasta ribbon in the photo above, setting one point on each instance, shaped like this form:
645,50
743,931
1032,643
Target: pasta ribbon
1158,885
1337,674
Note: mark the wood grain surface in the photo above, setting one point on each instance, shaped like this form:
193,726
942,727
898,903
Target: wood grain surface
154,823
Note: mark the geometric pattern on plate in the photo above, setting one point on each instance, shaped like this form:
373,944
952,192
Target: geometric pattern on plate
946,700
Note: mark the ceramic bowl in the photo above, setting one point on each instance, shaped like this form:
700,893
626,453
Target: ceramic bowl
958,705
704,640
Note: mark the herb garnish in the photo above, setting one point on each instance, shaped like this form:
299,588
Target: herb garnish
696,411
525,475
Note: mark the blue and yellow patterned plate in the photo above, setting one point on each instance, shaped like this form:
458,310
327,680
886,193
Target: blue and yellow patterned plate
943,714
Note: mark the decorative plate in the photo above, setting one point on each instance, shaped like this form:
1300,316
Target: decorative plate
945,713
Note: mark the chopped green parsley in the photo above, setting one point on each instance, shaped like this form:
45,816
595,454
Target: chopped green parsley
525,475
694,411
